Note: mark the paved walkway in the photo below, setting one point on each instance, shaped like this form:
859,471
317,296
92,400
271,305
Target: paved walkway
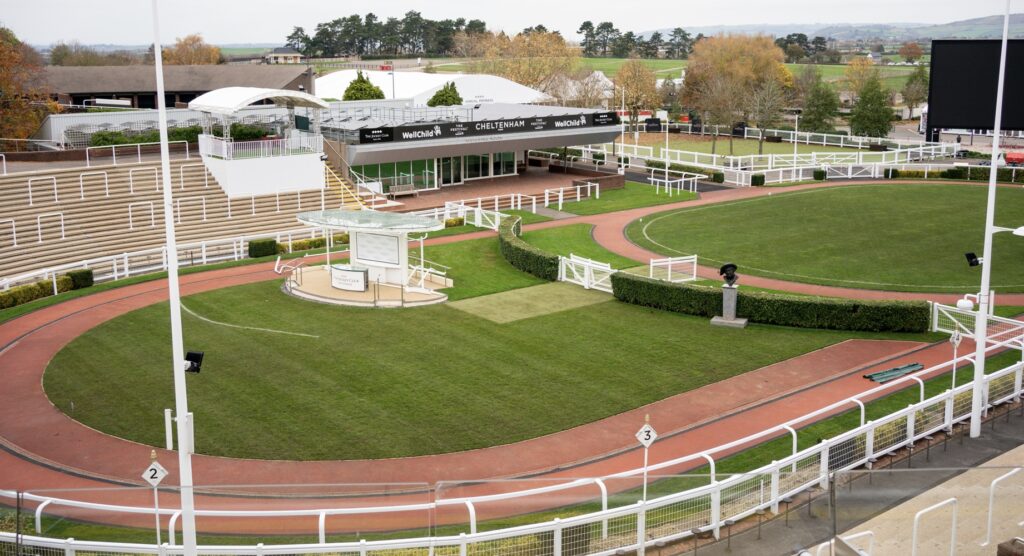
47,449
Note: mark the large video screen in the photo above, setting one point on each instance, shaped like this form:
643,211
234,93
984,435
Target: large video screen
964,78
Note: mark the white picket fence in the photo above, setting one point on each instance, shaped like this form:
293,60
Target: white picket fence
591,274
674,269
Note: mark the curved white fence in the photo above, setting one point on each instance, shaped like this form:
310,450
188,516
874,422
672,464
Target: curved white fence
627,528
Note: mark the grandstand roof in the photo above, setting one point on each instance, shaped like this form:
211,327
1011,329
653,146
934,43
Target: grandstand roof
232,99
419,87
112,79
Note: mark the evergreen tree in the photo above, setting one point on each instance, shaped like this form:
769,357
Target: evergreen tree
447,95
871,115
821,106
362,89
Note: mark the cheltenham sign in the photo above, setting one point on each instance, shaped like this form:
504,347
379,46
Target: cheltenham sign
485,127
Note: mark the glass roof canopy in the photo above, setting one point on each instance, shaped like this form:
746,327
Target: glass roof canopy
370,220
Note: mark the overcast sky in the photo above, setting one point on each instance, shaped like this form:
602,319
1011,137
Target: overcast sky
270,21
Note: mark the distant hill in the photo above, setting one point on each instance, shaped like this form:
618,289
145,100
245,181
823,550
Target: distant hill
990,27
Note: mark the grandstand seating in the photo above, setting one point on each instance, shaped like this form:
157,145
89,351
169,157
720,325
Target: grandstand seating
101,225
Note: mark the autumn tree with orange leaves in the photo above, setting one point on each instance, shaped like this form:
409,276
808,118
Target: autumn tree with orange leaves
192,50
23,104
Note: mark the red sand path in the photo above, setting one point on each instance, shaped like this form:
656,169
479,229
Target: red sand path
58,452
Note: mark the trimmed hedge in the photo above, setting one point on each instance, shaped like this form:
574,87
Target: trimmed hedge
717,177
757,179
656,164
262,247
454,222
776,309
23,294
307,244
820,175
524,256
81,278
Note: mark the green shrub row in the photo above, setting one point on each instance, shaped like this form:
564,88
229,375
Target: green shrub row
524,256
239,132
454,222
561,153
30,292
820,174
1006,175
314,243
80,278
757,179
776,309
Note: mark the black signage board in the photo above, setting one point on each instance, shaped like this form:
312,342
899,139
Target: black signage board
485,127
652,125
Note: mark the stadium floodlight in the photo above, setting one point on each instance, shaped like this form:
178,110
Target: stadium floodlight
981,321
972,259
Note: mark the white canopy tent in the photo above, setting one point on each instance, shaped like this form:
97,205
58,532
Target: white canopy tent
419,87
230,100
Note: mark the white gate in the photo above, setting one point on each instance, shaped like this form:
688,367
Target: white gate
1001,331
475,216
592,275
674,269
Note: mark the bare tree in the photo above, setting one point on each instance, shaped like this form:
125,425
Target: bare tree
718,98
639,88
764,108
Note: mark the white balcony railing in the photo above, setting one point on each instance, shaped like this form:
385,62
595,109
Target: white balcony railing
297,143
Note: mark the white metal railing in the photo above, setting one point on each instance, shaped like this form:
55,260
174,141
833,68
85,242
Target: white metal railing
591,274
1002,332
704,508
152,213
181,174
131,177
297,143
14,232
106,182
123,265
138,151
3,164
179,200
39,224
51,179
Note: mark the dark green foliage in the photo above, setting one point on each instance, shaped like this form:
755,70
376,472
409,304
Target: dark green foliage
821,107
892,173
871,115
757,179
447,95
975,173
246,132
660,165
524,256
362,89
262,247
31,292
717,177
820,175
777,309
314,243
106,138
80,278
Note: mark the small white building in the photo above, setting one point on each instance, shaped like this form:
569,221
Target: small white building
419,87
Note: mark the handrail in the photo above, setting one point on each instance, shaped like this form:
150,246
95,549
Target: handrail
138,150
52,179
992,501
106,182
952,530
14,231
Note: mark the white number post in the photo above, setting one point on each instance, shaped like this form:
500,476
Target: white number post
646,435
955,338
153,475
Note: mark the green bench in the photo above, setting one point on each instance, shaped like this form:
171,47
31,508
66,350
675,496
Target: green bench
882,377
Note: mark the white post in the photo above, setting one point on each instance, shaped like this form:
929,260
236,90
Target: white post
168,433
188,518
645,473
156,514
981,320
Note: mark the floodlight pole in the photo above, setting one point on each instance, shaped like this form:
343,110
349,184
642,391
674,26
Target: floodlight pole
981,318
188,517
796,133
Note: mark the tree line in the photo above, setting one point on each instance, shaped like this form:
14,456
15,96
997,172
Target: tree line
370,35
604,40
187,50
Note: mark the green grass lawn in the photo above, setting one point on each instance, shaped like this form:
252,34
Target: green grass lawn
377,380
633,195
527,216
895,237
576,239
741,147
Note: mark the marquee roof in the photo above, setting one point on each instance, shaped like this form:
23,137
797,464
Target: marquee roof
229,100
420,86
369,220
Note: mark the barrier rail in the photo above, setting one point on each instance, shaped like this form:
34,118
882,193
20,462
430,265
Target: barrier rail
131,178
178,206
106,182
14,233
39,224
3,164
181,174
704,508
52,179
138,151
152,214
299,143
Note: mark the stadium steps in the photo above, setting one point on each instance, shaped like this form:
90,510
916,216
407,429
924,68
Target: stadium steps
98,225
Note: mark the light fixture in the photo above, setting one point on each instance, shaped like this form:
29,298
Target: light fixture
972,259
965,304
1019,231
194,361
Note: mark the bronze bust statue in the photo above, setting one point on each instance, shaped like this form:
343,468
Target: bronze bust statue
728,273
